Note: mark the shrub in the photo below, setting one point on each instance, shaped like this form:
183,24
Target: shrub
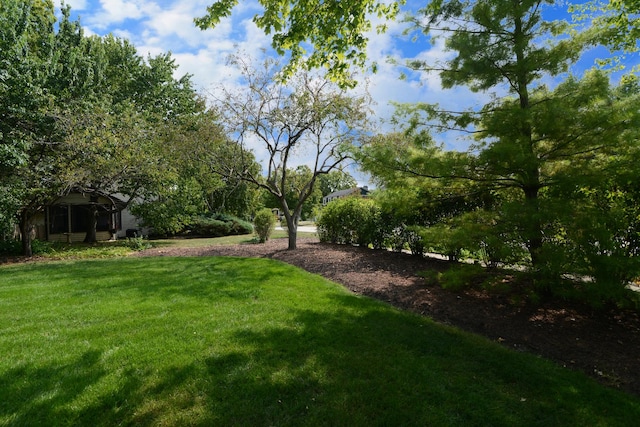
457,277
264,223
138,243
219,225
10,247
210,227
461,276
442,239
478,234
396,239
171,209
414,240
39,247
237,225
160,219
13,247
351,220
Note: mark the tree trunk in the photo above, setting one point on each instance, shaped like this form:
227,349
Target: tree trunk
292,222
92,224
292,230
25,231
531,176
534,228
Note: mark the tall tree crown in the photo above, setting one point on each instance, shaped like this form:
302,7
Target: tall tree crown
315,33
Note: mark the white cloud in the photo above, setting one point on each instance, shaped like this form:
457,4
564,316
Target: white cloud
386,86
116,12
207,69
208,62
175,26
75,4
157,26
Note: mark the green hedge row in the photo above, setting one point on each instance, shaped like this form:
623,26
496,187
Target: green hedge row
219,225
354,220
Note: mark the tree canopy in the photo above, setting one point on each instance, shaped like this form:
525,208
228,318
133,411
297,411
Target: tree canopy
537,154
315,33
615,24
308,120
80,112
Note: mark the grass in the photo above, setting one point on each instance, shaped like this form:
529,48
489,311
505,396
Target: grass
251,342
119,248
227,240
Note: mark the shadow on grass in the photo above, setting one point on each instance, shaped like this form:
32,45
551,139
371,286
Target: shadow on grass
353,362
54,394
386,368
364,364
201,278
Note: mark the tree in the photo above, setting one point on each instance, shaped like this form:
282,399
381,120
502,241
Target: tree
308,120
335,31
336,180
298,177
615,24
497,48
598,199
80,113
193,150
205,148
526,143
113,142
236,197
173,207
413,172
26,125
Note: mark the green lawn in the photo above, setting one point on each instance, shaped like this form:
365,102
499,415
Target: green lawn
228,240
125,247
251,342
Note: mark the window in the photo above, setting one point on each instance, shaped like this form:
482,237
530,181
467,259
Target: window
78,216
58,219
104,219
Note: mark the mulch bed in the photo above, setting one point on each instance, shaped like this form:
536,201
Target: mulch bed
604,345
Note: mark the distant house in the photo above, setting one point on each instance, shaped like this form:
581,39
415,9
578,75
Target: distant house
356,191
66,219
277,214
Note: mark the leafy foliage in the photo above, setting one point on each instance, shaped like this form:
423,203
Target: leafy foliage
297,179
460,276
88,113
351,220
335,180
315,33
84,113
546,178
264,223
170,213
218,225
138,243
13,247
307,115
615,24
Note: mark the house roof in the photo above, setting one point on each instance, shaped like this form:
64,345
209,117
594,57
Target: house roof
341,193
363,191
116,201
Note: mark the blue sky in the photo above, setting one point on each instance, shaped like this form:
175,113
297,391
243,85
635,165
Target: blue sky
157,26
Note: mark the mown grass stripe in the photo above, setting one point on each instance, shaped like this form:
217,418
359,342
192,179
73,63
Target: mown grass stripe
233,341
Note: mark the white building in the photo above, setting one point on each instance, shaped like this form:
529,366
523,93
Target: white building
356,191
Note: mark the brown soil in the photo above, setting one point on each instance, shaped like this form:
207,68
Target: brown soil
604,345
